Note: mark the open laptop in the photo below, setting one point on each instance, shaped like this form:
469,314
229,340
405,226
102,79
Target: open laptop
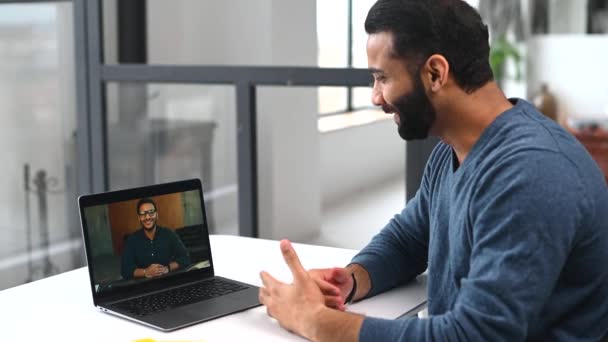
150,260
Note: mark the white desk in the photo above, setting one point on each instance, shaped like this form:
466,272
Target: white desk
60,308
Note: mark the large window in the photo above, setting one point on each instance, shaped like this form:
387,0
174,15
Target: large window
40,231
341,42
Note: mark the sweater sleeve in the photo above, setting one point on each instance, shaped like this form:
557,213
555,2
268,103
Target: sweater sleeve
524,216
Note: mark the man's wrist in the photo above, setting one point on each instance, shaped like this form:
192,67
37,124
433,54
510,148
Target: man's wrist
353,291
361,276
312,330
334,325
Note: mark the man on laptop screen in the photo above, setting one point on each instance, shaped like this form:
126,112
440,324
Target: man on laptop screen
152,250
137,243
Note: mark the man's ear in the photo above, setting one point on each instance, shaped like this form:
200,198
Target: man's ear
435,72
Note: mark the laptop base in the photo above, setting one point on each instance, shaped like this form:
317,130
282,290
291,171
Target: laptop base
194,313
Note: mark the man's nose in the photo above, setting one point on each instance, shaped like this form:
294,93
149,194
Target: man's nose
377,98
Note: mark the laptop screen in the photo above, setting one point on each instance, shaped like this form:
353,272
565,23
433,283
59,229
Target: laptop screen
140,240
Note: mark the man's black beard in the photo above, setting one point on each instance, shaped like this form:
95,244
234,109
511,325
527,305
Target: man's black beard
416,113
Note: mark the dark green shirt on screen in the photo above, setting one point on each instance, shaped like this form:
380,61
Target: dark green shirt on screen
141,252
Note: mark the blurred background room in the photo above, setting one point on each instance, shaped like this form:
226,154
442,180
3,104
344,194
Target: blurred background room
100,95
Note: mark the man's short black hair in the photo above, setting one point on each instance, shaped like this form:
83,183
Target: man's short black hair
144,201
451,28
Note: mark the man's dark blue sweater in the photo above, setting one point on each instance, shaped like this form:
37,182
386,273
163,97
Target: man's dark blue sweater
515,240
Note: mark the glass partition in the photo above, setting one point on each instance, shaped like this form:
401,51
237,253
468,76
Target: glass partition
40,230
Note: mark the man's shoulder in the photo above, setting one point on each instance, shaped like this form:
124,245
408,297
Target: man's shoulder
166,231
526,139
134,235
524,128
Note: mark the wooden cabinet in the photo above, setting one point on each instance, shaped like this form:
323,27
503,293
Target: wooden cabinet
596,142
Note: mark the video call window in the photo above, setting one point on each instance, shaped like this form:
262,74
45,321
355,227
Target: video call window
146,238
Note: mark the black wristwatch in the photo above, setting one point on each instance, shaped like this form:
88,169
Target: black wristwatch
351,295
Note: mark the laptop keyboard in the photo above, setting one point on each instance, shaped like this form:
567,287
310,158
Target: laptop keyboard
162,301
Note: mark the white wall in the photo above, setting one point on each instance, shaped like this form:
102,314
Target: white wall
288,159
575,69
359,157
263,32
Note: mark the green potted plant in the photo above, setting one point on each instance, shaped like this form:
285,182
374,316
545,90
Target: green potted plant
500,52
